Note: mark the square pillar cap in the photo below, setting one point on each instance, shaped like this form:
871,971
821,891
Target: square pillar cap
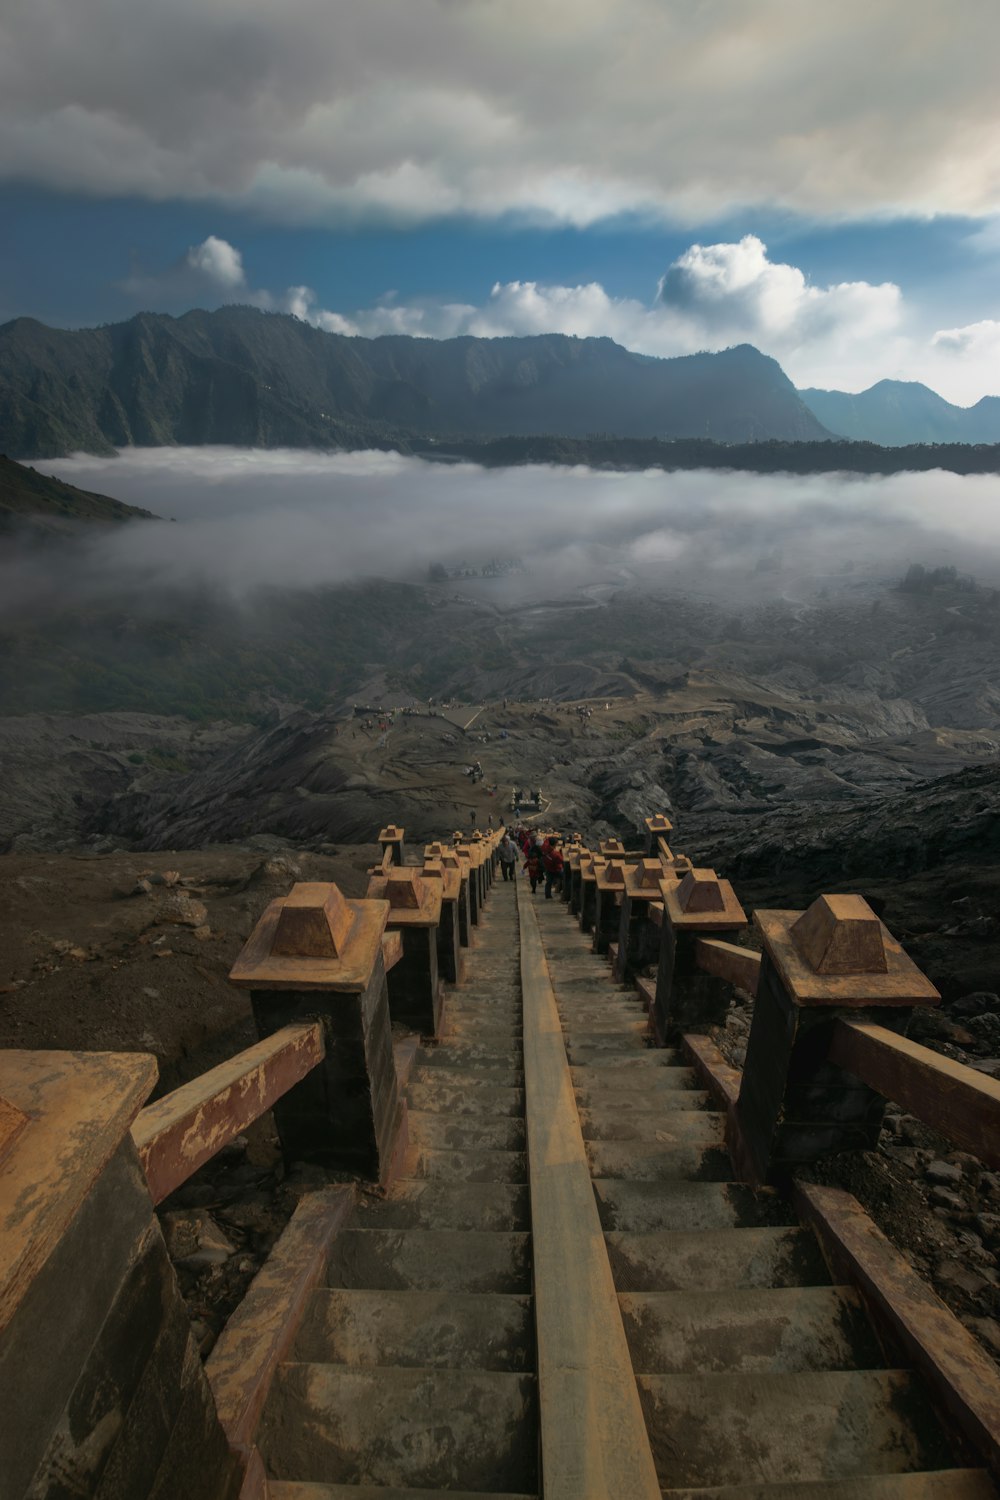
614,875
658,823
592,866
839,953
700,899
413,902
612,848
448,876
312,939
645,877
390,834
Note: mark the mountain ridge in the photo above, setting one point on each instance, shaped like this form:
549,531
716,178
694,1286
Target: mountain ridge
897,413
245,377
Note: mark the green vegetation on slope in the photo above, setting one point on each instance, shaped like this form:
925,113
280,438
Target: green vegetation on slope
49,505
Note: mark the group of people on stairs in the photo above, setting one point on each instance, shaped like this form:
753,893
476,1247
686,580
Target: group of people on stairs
543,859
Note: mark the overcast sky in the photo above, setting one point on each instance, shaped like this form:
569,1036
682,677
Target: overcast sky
821,180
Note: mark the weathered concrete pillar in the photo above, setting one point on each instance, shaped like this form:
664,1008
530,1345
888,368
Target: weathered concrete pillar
391,838
576,879
452,860
415,913
315,954
699,905
834,960
449,945
638,938
468,852
657,827
101,1387
589,868
570,852
609,884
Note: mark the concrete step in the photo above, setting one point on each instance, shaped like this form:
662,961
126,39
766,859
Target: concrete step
646,1098
726,1429
429,1128
641,1207
772,1332
425,1330
655,1161
668,1126
469,1076
724,1259
471,1054
444,1429
427,1204
431,1260
941,1484
439,1093
474,1165
622,1053
589,1030
284,1489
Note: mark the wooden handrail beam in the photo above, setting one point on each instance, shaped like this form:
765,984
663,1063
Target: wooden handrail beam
183,1130
953,1099
740,966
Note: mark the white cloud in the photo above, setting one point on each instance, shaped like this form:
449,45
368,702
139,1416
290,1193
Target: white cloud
843,336
560,110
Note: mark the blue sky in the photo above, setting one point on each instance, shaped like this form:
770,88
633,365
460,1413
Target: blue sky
676,175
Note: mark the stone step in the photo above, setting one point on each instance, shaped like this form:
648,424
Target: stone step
778,1330
285,1489
646,1098
469,1076
640,1207
722,1259
668,1126
431,1260
474,1165
471,1054
444,1429
626,1029
424,1204
425,1330
724,1429
441,1094
623,1053
941,1484
429,1128
654,1161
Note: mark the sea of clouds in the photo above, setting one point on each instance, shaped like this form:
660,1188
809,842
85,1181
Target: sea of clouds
236,520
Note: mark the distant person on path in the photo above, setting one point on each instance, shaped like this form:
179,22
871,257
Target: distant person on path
472,817
552,861
507,851
534,864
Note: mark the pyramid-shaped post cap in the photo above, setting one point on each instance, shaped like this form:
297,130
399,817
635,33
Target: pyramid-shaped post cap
404,889
314,922
647,875
612,847
841,935
700,890
659,823
390,834
680,866
615,872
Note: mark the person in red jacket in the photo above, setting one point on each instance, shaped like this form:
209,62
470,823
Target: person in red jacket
535,865
552,859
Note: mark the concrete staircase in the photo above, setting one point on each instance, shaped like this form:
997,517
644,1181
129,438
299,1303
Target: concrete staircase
757,1376
414,1369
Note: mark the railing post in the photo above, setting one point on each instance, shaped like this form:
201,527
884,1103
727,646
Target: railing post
835,960
470,868
610,883
657,827
576,859
101,1386
391,840
449,948
687,1000
638,939
415,913
570,851
314,954
589,867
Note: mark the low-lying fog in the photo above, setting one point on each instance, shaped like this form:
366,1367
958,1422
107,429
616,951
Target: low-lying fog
239,519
